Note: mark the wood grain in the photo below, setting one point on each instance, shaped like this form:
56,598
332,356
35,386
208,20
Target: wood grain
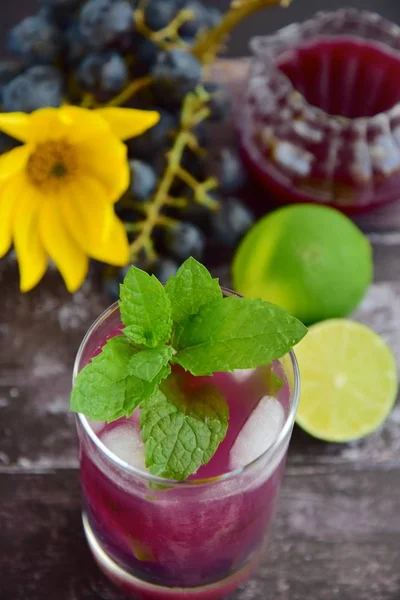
332,536
337,533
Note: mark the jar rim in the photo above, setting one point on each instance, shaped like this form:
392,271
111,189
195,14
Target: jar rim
266,47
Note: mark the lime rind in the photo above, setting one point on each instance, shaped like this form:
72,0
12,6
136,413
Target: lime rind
349,381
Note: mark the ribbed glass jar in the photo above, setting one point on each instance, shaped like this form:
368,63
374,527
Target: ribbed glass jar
321,117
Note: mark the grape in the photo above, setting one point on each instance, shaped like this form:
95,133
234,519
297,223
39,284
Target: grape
164,268
104,71
230,171
143,180
231,221
38,87
8,70
145,51
101,22
36,39
184,240
77,46
61,14
198,215
155,140
175,73
191,28
214,17
159,13
220,102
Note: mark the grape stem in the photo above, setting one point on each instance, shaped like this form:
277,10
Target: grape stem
209,43
167,37
130,90
194,111
135,86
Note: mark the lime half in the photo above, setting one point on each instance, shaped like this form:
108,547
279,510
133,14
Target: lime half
348,381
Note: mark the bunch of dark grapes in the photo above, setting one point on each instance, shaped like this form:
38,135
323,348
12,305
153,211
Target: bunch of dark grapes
72,50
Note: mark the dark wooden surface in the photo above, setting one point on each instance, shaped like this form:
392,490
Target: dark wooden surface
337,533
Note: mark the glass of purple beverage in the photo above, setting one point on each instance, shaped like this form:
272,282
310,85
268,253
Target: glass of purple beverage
200,538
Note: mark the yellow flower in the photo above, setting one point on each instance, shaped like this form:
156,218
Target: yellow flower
58,189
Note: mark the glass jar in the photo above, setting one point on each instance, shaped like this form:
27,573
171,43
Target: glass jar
321,117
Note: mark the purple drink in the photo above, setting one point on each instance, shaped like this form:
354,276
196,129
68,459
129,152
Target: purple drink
321,118
199,538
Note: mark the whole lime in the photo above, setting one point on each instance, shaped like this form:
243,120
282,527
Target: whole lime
311,260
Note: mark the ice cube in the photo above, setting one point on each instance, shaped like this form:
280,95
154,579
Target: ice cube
126,442
259,432
242,375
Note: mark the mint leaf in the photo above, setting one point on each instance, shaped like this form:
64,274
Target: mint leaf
235,333
182,429
190,289
145,309
104,390
148,364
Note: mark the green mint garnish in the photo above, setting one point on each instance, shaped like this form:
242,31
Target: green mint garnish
188,323
182,429
234,333
145,309
152,363
190,289
105,390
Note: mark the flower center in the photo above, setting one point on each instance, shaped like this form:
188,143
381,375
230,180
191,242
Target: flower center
51,162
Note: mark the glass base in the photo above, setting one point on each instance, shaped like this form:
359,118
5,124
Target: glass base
143,590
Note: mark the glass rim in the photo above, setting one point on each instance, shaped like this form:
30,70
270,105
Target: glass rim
264,47
148,477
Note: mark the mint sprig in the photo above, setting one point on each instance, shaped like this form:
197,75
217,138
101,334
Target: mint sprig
234,333
192,288
145,309
181,429
188,323
105,390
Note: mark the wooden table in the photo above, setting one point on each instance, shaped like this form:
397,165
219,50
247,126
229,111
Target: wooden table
337,532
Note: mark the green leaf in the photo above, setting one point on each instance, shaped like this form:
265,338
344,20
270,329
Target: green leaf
190,289
182,428
148,364
235,333
145,309
104,390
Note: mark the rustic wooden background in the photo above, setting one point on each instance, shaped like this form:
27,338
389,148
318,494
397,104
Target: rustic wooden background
337,533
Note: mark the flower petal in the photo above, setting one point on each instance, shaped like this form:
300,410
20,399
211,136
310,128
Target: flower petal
16,124
68,257
31,256
7,203
13,161
71,123
104,157
126,123
87,212
84,209
115,249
